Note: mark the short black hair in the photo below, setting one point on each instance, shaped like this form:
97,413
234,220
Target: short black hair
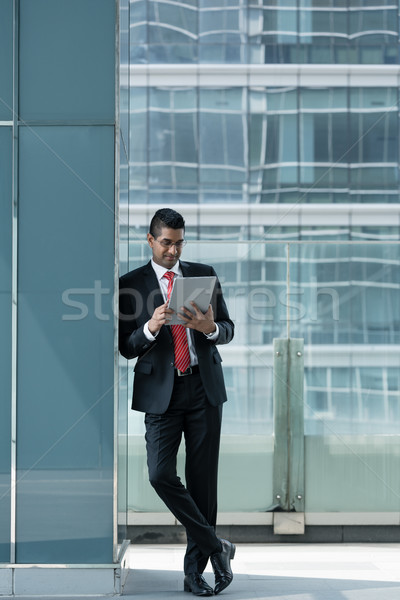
165,217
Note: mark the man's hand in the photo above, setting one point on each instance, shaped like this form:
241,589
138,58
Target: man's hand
161,316
199,321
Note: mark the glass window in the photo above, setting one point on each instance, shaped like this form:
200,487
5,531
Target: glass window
322,305
375,233
375,272
374,33
223,53
222,192
222,22
169,53
274,24
138,28
324,232
374,140
319,145
223,233
222,31
273,131
273,32
172,22
264,31
323,32
138,137
173,137
323,139
274,232
223,135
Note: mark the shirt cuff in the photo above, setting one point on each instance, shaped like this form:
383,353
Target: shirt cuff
213,336
148,334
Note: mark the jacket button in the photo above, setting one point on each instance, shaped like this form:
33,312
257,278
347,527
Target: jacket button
172,364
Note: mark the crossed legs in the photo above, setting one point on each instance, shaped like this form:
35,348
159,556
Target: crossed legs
194,506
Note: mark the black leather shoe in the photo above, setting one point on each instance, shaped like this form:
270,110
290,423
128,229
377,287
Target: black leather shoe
221,564
196,584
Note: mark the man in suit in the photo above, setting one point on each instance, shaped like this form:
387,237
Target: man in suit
179,384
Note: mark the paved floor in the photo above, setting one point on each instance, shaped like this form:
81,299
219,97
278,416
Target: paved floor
276,572
269,572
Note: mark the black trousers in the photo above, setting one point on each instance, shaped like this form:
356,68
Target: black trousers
194,506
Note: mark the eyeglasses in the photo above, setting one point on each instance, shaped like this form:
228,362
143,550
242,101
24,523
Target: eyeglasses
168,243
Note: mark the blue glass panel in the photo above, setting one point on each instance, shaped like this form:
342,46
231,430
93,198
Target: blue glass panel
223,133
273,134
124,77
373,140
6,55
173,136
222,53
139,145
168,53
79,51
222,22
5,339
173,23
65,345
138,10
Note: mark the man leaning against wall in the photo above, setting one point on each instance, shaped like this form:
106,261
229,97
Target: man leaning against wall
179,386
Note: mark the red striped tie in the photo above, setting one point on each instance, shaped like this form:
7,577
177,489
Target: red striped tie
179,336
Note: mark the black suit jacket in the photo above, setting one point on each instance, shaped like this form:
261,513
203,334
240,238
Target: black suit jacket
140,294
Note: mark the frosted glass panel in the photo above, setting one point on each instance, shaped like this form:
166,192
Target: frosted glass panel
347,309
352,473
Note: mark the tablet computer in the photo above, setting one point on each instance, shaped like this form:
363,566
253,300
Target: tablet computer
191,289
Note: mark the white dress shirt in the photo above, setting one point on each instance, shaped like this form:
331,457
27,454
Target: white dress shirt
163,283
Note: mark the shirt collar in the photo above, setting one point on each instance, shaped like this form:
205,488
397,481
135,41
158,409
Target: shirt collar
160,271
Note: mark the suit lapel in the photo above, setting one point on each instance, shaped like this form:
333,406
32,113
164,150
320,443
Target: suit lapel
187,270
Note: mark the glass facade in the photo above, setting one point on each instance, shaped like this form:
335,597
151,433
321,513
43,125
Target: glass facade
264,145
273,128
261,31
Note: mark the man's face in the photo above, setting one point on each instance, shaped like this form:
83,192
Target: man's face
165,252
